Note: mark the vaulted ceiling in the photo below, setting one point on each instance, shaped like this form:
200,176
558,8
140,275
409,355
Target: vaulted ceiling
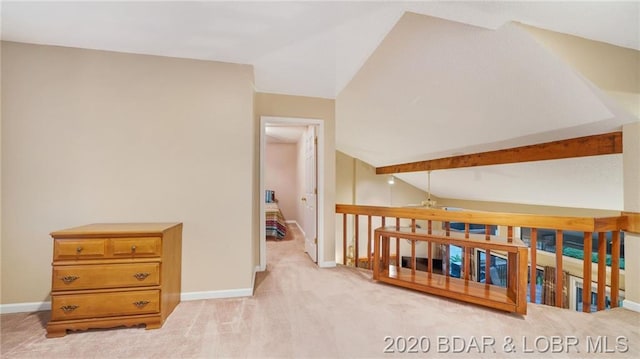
436,88
412,80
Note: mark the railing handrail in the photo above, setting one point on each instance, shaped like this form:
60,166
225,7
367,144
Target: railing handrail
583,224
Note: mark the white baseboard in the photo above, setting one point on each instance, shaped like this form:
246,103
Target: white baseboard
329,264
217,294
627,304
296,223
256,269
24,307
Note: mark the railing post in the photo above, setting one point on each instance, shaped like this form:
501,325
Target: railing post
467,262
521,278
559,272
602,270
386,252
534,270
487,266
356,253
369,265
446,263
413,257
586,272
344,239
467,253
512,266
615,267
376,256
398,264
429,255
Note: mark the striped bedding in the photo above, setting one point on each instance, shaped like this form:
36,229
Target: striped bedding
276,226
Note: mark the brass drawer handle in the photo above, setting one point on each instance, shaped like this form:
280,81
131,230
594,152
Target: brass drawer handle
79,249
141,303
133,248
141,275
69,278
69,308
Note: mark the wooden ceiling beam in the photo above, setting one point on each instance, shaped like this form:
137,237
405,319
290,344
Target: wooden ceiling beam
603,144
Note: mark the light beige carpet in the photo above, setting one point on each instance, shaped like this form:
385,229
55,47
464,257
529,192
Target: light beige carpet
302,311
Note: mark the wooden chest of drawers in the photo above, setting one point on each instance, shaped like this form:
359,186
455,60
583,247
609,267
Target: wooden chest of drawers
114,274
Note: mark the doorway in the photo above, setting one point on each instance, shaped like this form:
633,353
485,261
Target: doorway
314,201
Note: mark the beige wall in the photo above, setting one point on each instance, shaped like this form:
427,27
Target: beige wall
357,183
631,153
1,167
373,189
345,174
611,67
281,175
92,136
311,108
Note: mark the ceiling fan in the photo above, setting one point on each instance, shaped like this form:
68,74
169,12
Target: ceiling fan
429,203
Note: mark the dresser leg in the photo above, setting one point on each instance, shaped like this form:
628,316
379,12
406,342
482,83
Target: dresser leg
56,332
153,325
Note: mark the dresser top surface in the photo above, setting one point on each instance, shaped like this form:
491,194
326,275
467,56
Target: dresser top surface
98,229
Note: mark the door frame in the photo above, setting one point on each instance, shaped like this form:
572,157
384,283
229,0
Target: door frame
293,121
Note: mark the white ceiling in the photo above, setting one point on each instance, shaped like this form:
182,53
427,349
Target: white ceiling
322,48
300,48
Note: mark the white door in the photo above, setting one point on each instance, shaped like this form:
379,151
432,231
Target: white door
309,200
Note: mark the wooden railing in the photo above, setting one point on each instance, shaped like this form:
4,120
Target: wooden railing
512,298
440,219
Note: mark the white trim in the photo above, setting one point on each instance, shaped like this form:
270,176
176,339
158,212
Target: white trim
577,282
627,304
264,121
329,264
253,279
261,197
24,307
293,221
217,294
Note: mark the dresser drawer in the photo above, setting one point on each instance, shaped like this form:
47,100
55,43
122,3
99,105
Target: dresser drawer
105,276
136,247
79,248
79,306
